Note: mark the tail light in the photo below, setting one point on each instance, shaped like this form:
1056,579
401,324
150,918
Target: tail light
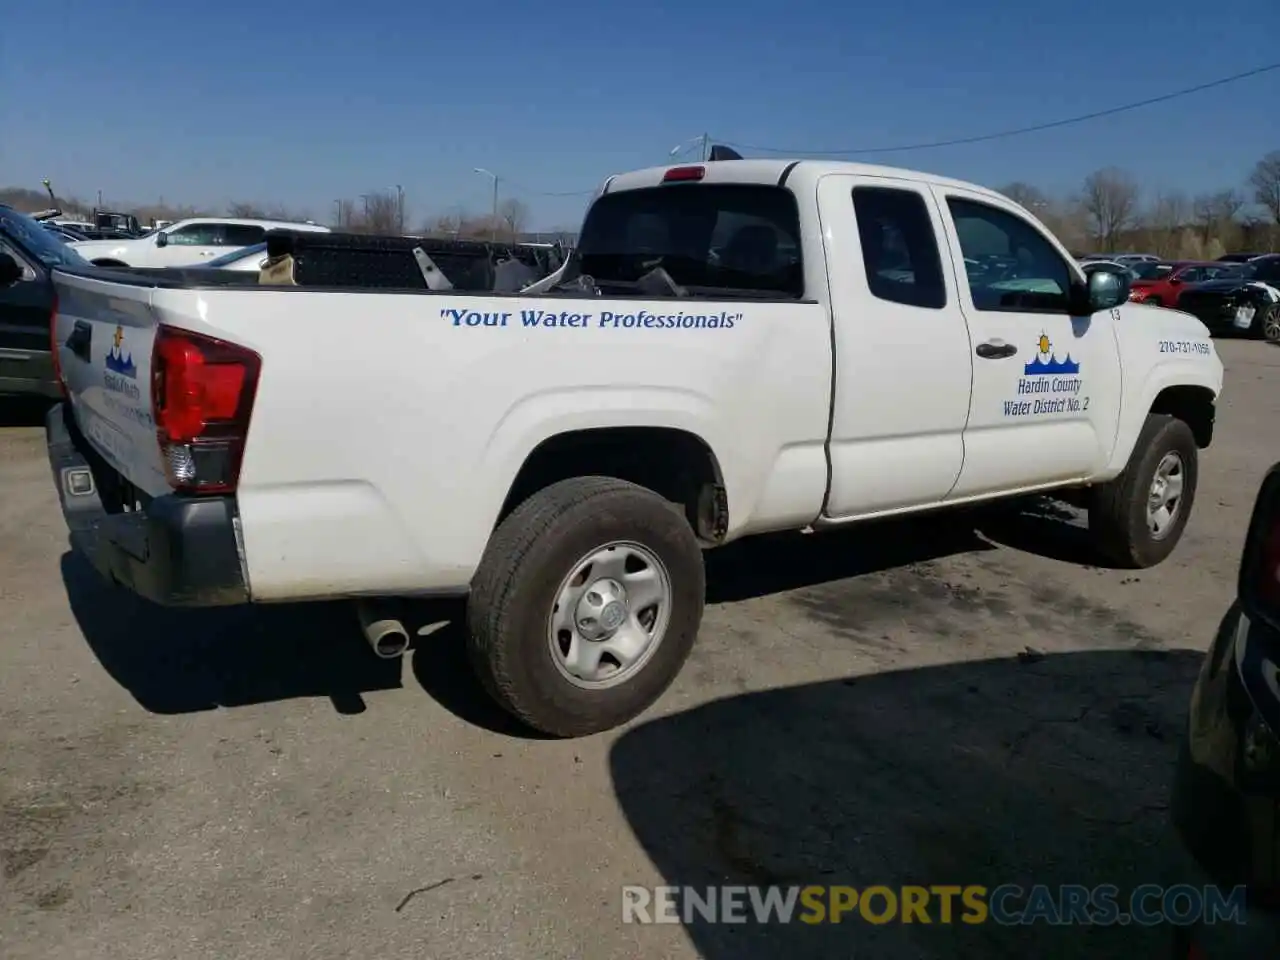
53,348
1259,585
202,393
683,174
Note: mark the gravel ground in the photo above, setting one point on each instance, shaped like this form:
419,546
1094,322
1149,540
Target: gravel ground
919,703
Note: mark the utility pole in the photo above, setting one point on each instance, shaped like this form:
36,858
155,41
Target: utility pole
400,207
493,222
337,205
704,147
99,199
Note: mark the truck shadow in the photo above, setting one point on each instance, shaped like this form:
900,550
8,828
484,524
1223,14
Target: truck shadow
1049,770
23,411
1042,526
183,661
180,661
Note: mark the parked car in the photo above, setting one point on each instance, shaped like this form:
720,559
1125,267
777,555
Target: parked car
1245,300
1240,257
245,258
1226,795
28,254
186,242
562,459
1159,283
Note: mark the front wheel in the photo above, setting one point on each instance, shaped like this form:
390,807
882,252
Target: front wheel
1138,518
586,605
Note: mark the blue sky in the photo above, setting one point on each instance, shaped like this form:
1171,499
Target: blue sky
304,103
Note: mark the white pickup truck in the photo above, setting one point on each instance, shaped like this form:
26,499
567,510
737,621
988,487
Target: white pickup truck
736,347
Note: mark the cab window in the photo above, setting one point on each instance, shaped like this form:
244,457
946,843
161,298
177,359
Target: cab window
1010,265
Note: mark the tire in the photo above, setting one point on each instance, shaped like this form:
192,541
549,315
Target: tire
1118,520
1268,324
525,569
1154,301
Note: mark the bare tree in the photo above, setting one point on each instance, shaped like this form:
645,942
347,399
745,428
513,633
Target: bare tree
380,213
249,211
1215,213
1265,181
1024,194
513,215
1169,213
1110,198
445,225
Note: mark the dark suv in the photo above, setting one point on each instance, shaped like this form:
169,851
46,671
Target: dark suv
28,253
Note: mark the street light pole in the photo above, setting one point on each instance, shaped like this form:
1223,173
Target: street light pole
400,207
493,221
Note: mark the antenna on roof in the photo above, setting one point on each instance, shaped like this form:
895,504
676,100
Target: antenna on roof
721,152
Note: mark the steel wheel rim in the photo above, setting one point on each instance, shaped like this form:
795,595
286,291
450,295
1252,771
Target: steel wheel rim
1164,498
609,615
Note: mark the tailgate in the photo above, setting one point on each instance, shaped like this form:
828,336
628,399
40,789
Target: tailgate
104,334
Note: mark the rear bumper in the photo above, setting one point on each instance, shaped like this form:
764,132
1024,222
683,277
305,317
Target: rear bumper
175,551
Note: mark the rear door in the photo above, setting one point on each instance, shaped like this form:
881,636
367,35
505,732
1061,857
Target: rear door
1046,384
104,336
903,359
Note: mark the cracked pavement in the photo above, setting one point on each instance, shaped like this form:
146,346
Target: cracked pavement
917,702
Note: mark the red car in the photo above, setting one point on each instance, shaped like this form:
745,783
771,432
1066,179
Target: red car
1160,283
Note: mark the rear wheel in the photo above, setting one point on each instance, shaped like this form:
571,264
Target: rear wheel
1270,323
1137,519
586,605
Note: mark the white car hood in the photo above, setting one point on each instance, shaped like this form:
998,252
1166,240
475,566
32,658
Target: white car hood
1166,319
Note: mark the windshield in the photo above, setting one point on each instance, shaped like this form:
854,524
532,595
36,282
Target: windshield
740,238
35,240
241,253
1150,270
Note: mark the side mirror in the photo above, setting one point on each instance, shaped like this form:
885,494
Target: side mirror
1258,587
10,270
1107,289
1176,281
162,239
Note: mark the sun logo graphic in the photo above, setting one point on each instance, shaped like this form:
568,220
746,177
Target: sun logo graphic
1046,361
117,360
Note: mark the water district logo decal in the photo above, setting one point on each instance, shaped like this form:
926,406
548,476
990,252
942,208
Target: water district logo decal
1046,362
1047,385
117,360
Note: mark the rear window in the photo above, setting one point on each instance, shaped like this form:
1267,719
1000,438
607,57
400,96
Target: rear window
735,239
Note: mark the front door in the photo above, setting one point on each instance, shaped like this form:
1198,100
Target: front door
190,244
1046,384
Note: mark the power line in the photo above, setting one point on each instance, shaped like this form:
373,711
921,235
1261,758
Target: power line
524,191
1018,131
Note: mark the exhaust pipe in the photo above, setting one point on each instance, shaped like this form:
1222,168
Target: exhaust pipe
385,632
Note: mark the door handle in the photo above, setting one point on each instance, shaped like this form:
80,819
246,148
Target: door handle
995,351
80,339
